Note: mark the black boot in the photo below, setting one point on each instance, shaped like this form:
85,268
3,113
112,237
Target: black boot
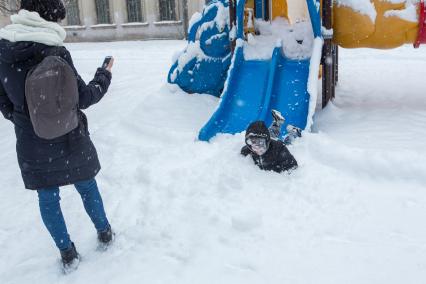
70,259
105,238
293,133
275,128
278,117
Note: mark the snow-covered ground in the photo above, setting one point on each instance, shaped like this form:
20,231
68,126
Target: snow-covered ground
192,212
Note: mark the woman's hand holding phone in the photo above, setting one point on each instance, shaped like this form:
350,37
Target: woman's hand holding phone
108,63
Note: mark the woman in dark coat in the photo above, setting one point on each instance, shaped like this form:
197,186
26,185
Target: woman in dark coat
48,164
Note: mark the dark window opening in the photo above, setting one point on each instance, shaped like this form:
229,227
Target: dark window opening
168,10
103,12
134,11
73,13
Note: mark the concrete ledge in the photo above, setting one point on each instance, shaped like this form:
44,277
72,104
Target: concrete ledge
104,26
134,25
74,28
168,23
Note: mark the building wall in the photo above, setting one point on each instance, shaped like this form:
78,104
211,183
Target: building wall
152,28
4,20
120,29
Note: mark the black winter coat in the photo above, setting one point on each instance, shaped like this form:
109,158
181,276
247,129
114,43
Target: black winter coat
278,158
47,163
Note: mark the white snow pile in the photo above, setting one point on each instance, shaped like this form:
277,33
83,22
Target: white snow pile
192,212
220,21
410,13
192,51
365,7
296,39
407,2
313,81
197,16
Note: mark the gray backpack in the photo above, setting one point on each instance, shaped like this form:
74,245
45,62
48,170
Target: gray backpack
51,92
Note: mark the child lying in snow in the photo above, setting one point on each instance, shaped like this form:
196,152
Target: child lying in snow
264,146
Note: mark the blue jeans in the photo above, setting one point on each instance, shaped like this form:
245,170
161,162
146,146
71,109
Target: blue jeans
53,219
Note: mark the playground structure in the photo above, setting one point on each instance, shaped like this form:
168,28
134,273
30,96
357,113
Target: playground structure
255,83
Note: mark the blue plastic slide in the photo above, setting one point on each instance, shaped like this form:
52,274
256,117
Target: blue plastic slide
203,65
255,87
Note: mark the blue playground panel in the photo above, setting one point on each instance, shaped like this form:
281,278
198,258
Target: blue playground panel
200,76
207,71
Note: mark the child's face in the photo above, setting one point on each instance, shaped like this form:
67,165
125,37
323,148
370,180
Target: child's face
258,145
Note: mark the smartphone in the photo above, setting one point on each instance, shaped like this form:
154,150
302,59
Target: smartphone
106,62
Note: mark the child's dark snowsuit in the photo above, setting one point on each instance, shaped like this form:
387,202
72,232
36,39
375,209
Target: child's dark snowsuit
277,158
